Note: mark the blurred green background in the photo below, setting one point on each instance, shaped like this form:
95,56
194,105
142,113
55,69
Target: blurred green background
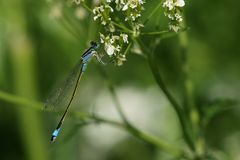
37,51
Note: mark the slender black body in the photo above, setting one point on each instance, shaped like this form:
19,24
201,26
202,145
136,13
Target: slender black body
85,58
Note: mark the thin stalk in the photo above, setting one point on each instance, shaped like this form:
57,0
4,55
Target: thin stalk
187,91
165,33
87,8
122,27
154,141
155,33
127,49
176,106
20,101
114,96
190,108
149,139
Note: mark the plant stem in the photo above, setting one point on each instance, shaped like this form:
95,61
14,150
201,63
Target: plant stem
87,8
190,108
122,27
127,49
155,33
176,106
149,139
154,141
20,102
114,96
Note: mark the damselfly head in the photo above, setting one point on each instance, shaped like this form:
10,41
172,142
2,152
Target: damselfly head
95,45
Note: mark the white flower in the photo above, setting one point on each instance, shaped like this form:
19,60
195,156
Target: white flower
171,4
136,29
132,4
120,59
170,16
103,38
174,13
110,49
178,17
113,44
111,27
119,4
175,28
168,4
133,8
114,38
108,42
125,7
102,12
179,3
113,41
111,9
118,48
103,22
124,37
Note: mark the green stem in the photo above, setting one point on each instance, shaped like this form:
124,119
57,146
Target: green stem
190,108
122,27
154,141
176,106
127,49
20,102
114,96
149,139
155,33
87,8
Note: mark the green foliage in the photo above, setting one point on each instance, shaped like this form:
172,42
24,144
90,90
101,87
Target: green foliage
217,106
162,103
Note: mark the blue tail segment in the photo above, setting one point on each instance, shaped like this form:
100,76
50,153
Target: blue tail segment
55,134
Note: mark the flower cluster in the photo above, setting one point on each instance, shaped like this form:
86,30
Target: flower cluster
131,10
114,44
173,10
102,12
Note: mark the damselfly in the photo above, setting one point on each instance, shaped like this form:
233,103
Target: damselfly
81,67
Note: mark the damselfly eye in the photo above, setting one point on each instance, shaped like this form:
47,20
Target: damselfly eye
94,44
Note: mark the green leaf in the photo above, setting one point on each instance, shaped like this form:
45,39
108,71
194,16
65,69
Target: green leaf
217,106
